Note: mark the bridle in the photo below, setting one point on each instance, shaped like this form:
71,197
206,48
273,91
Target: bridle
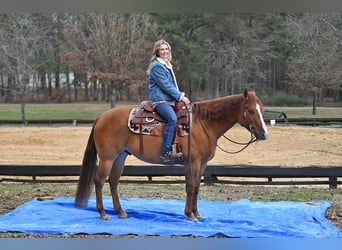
245,144
189,110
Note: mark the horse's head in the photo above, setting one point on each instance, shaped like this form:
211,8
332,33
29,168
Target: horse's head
250,115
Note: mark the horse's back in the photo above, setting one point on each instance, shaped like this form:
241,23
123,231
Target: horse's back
117,115
110,126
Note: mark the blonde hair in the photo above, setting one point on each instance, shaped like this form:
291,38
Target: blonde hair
156,48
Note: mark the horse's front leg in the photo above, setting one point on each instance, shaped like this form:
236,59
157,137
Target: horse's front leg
100,179
196,191
193,179
114,178
194,199
189,199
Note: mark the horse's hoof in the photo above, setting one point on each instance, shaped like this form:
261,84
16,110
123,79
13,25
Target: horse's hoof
192,218
199,217
123,215
105,217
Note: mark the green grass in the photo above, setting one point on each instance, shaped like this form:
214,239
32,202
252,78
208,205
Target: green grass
306,112
89,111
292,193
52,111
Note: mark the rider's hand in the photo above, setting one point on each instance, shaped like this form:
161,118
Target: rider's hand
185,100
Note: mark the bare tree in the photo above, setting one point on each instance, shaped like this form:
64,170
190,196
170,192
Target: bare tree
317,42
21,38
113,48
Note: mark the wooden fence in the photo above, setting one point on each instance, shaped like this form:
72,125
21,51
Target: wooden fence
213,173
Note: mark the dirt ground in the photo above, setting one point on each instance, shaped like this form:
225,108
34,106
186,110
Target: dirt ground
286,146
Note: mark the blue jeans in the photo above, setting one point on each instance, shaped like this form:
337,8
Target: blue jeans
166,111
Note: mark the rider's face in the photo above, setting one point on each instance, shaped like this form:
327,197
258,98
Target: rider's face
164,51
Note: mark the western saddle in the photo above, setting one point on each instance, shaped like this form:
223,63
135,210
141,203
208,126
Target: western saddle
145,121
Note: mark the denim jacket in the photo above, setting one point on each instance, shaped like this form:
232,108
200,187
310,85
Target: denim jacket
162,85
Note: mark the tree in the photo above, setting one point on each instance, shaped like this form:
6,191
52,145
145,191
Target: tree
237,49
112,48
21,38
316,39
214,54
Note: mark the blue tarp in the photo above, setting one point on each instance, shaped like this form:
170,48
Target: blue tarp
164,217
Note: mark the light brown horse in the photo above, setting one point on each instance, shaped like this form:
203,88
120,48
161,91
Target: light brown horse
111,141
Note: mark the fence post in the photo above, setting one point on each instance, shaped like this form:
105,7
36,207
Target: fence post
208,179
333,182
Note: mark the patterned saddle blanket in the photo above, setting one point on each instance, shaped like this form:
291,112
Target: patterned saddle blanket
145,121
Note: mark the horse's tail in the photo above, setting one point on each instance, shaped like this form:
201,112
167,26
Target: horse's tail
88,169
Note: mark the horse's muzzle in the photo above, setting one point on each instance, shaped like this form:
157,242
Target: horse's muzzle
260,135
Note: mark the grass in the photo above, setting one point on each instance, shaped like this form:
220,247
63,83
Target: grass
306,112
53,111
89,111
292,193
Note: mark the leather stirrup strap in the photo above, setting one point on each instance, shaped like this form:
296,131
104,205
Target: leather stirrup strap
141,136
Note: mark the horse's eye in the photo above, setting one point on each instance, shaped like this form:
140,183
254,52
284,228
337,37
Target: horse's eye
251,112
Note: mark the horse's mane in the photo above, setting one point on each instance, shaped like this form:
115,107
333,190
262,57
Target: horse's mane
217,109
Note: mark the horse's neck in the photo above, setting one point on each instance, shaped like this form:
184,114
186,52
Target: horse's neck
218,115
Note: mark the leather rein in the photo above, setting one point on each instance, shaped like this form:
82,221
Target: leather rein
246,144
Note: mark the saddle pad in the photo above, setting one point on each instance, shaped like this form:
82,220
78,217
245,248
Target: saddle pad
154,128
154,124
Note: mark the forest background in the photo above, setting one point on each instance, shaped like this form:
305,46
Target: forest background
290,59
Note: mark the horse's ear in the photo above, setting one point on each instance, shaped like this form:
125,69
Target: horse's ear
245,94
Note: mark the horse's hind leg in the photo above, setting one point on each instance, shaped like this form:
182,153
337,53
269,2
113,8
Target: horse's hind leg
114,177
100,178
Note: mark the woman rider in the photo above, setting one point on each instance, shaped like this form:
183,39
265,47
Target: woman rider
163,90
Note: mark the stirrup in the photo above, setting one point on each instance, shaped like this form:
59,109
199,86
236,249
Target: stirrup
170,157
176,155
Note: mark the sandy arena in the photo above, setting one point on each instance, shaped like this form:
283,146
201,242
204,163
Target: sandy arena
286,146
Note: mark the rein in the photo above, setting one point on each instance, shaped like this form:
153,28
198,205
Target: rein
246,144
189,110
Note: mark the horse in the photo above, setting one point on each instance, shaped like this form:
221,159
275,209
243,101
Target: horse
110,142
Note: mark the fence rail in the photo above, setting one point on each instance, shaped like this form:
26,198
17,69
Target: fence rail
212,174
